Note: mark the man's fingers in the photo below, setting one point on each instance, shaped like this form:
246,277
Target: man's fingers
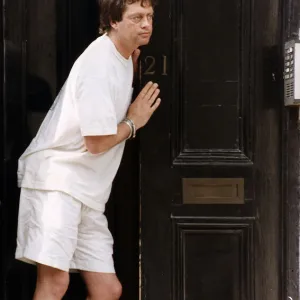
154,96
155,105
136,55
146,88
151,91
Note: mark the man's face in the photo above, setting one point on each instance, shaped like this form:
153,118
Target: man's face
136,26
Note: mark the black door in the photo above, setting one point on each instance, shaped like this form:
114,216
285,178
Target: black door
211,168
41,41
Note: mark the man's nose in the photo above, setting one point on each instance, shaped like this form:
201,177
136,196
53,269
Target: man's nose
146,22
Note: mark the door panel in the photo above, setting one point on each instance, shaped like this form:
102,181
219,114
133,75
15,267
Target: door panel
220,121
211,76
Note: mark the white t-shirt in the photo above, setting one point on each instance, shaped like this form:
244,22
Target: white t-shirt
93,101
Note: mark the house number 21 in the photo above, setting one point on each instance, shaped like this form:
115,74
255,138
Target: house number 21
151,65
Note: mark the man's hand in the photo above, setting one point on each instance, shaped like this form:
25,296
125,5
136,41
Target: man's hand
146,103
140,111
135,57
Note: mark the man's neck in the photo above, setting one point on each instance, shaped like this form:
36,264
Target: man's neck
122,48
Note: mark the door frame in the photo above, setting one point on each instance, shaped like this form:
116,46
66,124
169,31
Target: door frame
290,168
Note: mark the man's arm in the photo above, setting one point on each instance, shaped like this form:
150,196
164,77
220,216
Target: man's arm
100,144
140,111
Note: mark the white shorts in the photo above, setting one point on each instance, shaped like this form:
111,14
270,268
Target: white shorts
56,230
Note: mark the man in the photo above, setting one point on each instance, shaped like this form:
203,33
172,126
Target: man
66,173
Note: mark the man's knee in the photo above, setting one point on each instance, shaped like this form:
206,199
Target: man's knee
52,281
116,290
58,284
101,286
112,291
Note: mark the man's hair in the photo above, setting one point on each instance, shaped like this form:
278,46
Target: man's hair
112,11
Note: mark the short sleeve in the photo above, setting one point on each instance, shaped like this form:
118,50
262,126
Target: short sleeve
95,105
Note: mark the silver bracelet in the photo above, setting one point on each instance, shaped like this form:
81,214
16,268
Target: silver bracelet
130,127
133,134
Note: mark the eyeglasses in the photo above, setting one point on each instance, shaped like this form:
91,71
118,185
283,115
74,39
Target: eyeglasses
139,18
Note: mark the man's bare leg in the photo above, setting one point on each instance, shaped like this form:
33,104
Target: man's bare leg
102,286
51,283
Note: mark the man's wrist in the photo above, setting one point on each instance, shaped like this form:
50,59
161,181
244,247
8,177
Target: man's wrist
132,127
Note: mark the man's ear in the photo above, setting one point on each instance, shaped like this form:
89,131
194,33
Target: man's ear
114,25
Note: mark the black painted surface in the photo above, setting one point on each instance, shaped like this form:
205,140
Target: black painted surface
29,90
221,117
291,174
235,131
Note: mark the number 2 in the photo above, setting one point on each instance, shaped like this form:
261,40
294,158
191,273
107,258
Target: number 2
151,68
